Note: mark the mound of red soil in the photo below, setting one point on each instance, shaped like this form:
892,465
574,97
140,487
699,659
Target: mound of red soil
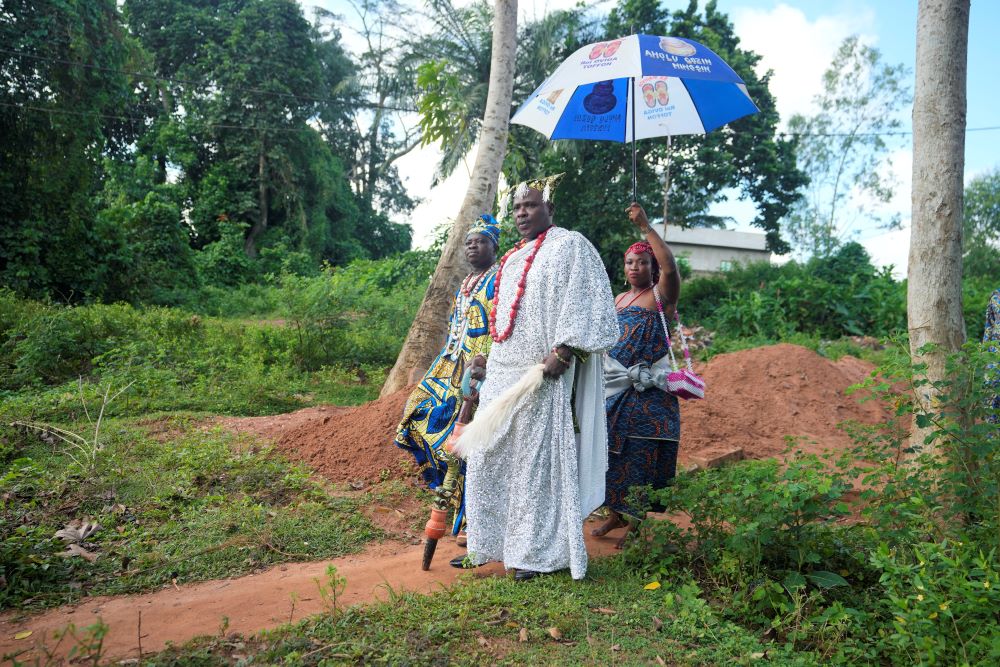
342,444
756,397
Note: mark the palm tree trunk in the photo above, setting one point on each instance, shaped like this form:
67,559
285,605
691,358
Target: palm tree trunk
934,277
427,333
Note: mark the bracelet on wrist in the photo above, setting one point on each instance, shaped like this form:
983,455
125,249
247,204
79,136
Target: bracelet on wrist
564,360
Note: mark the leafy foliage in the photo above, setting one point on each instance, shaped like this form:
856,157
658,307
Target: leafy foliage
61,99
912,579
834,296
137,133
843,150
334,326
981,227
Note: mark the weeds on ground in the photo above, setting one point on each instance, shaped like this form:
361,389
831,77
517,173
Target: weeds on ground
49,355
86,646
200,505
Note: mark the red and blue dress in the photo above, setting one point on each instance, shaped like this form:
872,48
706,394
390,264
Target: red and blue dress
644,427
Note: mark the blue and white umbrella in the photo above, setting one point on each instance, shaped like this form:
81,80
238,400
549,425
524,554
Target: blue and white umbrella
637,87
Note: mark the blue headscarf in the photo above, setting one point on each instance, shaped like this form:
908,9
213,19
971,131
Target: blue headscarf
488,226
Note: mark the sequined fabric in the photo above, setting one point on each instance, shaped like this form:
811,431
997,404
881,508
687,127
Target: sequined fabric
643,427
527,496
432,409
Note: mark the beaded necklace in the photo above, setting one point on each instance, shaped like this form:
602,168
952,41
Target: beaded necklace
471,280
636,298
460,317
499,338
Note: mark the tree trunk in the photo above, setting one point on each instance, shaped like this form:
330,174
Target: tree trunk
427,333
934,277
250,244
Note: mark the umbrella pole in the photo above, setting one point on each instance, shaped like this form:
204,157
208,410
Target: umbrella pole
666,189
635,195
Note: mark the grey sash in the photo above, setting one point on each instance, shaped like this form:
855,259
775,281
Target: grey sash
642,376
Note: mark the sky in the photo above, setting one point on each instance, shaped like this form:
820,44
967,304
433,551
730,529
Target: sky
797,40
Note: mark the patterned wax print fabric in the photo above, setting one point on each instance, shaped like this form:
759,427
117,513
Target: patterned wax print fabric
991,335
529,491
433,407
644,427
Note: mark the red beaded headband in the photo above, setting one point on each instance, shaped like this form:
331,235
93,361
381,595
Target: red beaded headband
644,247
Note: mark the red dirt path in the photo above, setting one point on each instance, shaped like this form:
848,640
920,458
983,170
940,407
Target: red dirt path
754,399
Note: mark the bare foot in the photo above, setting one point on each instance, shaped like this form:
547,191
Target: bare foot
614,521
620,544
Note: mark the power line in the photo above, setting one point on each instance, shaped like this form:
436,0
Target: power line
143,119
156,77
263,128
874,134
369,105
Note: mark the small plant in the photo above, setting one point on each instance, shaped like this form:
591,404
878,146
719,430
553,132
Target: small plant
82,451
331,589
943,598
87,648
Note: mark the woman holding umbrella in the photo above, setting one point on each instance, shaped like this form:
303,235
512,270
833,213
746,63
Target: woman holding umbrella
643,422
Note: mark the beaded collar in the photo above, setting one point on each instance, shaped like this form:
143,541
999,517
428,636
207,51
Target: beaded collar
501,337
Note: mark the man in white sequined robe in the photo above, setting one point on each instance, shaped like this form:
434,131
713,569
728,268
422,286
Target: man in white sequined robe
529,492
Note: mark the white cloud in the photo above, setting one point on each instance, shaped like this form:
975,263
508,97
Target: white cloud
440,204
797,49
890,248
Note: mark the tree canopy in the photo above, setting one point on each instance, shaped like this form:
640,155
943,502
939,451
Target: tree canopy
157,145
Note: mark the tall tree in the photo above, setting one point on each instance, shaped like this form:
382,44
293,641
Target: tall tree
65,103
369,123
240,81
934,277
843,148
429,327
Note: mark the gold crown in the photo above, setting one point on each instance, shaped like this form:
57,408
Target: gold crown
546,185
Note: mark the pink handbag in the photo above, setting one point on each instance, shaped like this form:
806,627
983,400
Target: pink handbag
681,382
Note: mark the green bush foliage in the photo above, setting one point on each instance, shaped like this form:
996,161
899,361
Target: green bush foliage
353,316
825,297
830,297
356,315
911,579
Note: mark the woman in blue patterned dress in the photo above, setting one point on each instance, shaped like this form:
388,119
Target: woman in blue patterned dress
643,425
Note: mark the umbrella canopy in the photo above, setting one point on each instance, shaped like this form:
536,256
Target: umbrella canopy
637,87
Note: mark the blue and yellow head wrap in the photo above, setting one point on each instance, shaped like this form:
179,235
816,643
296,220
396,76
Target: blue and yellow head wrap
488,226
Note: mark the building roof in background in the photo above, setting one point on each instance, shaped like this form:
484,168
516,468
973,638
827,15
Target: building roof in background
719,238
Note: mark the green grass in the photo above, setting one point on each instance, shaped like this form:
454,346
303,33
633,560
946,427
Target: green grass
244,389
199,503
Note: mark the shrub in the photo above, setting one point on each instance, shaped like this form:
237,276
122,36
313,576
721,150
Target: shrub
943,598
830,297
914,581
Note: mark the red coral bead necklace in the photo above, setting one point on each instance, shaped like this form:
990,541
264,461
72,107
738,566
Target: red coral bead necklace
499,338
